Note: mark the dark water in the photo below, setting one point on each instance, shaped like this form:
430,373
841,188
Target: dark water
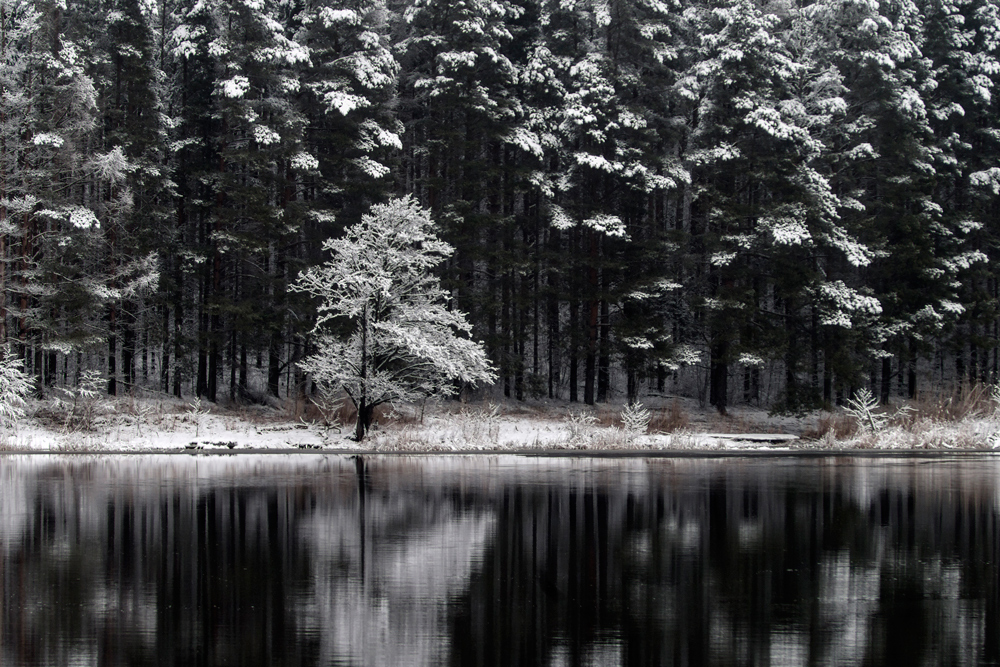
312,560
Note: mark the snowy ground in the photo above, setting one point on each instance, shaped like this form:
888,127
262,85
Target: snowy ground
129,425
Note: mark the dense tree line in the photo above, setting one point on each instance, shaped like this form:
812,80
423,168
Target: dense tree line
756,201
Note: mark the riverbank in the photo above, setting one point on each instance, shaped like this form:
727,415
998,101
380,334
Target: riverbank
674,424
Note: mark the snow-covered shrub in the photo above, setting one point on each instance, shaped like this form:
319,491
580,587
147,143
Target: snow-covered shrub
82,402
635,419
329,404
196,410
580,424
15,386
864,409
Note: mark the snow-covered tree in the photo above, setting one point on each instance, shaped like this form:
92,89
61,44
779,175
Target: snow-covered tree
15,387
385,331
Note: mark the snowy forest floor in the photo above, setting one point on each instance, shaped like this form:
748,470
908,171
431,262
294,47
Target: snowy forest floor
967,421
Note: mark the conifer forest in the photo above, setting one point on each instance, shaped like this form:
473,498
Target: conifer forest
769,202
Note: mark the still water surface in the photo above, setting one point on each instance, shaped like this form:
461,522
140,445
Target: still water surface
327,560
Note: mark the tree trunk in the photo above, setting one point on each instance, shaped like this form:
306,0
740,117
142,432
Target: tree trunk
274,365
366,414
232,365
364,408
718,391
604,353
886,384
112,350
911,389
128,348
553,318
242,380
592,321
574,361
631,384
827,381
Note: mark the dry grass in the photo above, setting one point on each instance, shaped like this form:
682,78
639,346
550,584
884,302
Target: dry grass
968,401
835,425
669,420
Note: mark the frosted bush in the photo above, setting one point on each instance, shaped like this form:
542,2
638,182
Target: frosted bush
863,409
579,424
82,402
635,419
15,386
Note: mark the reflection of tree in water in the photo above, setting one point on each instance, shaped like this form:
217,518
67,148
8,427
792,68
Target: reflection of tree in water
226,563
385,571
473,562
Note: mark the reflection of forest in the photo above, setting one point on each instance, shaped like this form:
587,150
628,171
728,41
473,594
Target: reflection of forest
498,561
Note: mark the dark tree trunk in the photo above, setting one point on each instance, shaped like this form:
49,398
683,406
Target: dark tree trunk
886,384
274,365
911,385
506,311
165,352
631,384
232,365
243,371
552,315
973,354
366,414
718,380
589,394
128,345
51,367
827,381
128,354
604,356
201,388
960,360
590,370
521,332
574,360
178,343
212,387
112,350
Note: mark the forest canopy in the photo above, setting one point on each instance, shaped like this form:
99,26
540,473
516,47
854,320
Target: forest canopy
763,202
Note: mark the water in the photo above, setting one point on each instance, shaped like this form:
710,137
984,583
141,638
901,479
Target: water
324,560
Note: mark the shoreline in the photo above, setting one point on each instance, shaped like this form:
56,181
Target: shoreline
526,453
159,426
